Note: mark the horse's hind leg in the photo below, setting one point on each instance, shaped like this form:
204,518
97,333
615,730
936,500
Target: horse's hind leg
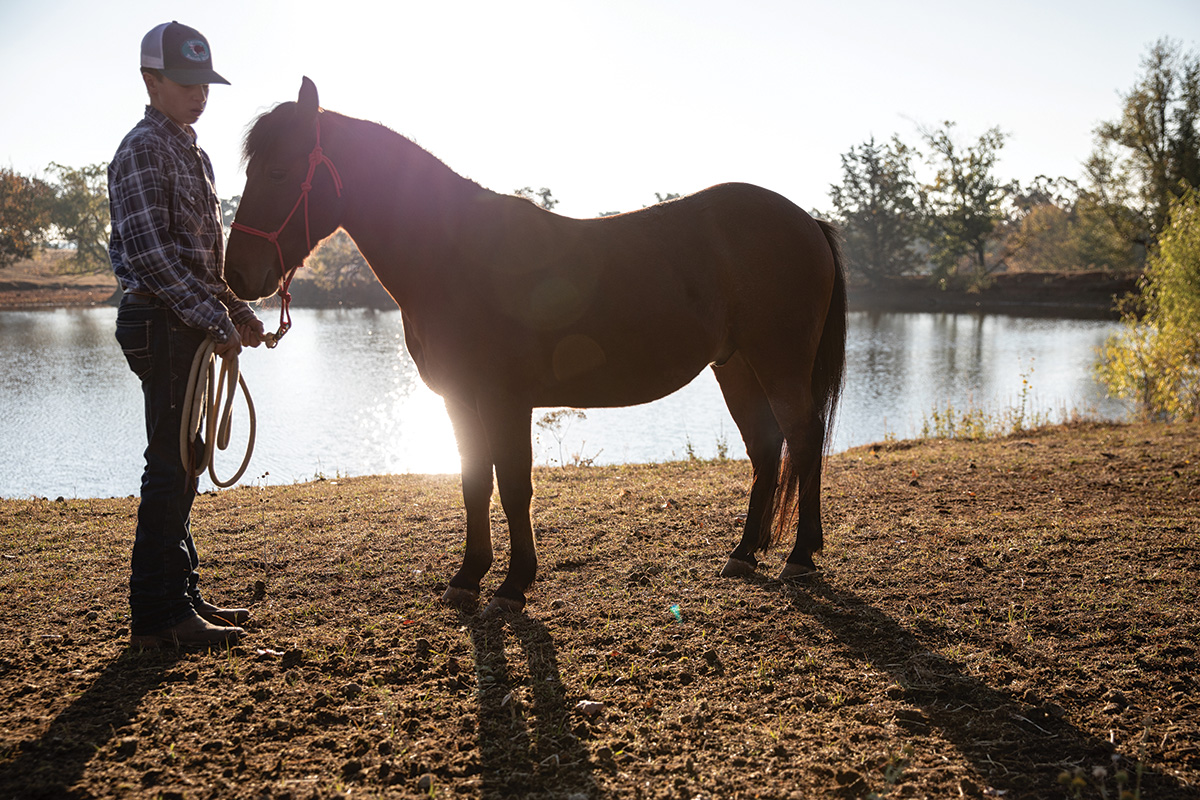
463,591
750,409
809,533
800,476
784,379
809,538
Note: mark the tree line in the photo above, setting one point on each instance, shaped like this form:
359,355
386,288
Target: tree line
959,222
71,208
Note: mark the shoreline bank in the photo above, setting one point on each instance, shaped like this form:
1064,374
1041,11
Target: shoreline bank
1088,295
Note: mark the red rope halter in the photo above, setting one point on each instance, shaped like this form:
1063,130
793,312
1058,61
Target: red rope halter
317,156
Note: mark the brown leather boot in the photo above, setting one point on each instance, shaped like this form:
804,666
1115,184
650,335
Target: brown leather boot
192,632
226,617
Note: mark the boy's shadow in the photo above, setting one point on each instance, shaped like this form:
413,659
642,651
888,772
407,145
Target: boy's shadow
50,765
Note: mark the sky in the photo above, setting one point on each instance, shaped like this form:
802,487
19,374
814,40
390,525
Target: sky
606,103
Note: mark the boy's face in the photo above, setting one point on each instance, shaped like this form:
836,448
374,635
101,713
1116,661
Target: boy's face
182,104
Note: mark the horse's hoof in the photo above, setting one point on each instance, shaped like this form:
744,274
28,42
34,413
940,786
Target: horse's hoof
462,599
737,568
795,572
502,606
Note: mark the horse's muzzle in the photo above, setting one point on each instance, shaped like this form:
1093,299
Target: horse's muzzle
251,289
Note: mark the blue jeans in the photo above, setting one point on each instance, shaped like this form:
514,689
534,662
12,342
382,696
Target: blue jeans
160,349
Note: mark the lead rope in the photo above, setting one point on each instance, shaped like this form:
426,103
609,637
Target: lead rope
285,312
204,384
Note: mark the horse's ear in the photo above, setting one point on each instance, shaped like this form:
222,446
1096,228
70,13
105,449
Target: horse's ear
308,96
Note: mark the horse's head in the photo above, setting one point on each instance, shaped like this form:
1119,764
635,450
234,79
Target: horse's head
290,202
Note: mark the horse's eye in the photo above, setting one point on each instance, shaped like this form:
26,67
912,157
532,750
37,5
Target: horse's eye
277,174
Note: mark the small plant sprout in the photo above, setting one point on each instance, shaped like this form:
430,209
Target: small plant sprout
556,423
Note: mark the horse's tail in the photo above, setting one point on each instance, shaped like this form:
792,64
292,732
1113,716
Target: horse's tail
829,370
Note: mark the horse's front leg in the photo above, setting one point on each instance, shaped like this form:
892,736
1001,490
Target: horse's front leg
508,436
463,591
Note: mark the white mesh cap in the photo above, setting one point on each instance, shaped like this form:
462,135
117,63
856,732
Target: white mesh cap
180,53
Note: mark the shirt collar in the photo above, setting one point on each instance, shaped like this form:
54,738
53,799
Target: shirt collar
185,136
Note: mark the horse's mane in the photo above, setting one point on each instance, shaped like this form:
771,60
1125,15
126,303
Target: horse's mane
267,128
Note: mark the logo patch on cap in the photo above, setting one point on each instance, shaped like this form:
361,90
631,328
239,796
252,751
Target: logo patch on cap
195,50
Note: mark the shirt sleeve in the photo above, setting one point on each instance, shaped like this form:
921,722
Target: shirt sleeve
239,310
139,188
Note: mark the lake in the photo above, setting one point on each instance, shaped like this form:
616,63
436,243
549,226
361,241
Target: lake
340,396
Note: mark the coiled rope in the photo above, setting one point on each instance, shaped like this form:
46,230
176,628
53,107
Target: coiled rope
202,403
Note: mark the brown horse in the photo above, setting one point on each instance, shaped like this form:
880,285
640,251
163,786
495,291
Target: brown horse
508,307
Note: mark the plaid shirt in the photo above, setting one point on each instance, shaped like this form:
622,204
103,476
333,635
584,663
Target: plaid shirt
166,226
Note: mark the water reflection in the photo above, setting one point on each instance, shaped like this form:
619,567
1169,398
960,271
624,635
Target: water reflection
341,396
907,364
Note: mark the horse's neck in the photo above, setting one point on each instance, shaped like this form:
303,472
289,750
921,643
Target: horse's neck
405,207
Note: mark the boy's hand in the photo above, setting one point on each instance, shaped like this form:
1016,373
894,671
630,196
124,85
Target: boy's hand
230,347
252,333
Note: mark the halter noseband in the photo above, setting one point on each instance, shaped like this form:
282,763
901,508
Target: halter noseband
317,156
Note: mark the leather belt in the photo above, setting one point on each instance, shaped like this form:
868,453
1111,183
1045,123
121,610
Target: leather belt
137,297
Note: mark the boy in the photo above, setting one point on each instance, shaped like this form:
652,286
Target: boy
167,251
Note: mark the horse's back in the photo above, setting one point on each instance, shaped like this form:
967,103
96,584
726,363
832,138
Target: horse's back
731,223
753,245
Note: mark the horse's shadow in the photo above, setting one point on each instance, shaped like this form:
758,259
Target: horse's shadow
526,743
50,765
1018,749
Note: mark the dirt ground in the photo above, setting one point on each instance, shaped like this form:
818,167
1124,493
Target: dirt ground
1013,618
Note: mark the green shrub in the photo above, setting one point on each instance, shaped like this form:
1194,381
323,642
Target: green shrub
1155,360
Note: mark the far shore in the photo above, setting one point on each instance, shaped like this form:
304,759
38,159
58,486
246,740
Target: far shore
1082,295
